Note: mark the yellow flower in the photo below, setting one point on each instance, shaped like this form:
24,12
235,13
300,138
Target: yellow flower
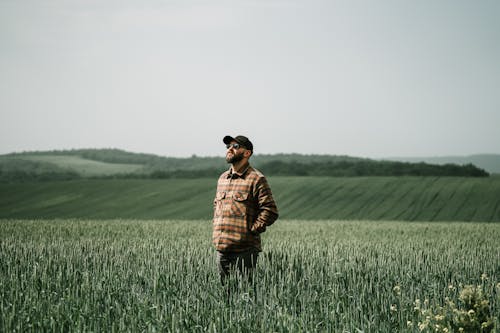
394,308
484,277
417,305
439,317
397,290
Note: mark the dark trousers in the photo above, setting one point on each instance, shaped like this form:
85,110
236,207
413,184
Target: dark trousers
243,262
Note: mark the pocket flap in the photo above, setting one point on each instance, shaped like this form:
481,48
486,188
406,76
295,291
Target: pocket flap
240,196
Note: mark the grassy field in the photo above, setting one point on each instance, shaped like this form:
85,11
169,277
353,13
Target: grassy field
368,198
329,276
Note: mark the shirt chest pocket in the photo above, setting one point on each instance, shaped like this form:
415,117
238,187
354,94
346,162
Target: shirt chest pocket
239,204
219,203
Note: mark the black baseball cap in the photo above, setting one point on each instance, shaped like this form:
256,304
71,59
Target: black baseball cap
242,140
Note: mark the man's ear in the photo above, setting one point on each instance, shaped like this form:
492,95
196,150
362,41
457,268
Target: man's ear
248,153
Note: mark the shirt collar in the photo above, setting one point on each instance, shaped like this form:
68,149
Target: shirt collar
238,174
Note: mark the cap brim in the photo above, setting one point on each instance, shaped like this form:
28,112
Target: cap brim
227,139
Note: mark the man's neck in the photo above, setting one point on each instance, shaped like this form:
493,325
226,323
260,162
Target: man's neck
240,166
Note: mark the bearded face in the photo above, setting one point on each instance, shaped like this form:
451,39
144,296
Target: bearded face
234,156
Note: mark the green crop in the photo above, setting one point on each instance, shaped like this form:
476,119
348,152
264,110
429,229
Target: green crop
156,275
312,198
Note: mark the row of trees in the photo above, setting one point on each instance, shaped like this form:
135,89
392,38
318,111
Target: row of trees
371,168
344,169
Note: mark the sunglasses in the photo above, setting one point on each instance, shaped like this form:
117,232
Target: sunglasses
234,145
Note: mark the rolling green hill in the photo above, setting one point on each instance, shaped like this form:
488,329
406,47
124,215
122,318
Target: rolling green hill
83,166
85,163
77,158
48,166
370,198
114,163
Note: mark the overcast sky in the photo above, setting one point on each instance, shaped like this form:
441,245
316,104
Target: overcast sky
360,78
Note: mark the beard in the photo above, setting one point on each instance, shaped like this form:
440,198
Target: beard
236,157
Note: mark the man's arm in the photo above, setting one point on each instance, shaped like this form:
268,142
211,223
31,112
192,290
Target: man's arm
267,211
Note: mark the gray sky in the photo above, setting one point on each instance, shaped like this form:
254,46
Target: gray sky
360,78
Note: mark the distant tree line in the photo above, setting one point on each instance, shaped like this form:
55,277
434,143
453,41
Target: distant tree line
371,168
13,169
332,169
108,155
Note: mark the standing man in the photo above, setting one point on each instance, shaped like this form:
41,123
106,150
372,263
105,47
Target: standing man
243,208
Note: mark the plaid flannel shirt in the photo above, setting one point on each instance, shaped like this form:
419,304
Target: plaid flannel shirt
243,208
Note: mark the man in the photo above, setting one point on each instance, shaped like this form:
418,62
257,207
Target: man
243,208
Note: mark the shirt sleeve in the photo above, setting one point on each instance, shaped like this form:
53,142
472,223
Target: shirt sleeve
267,211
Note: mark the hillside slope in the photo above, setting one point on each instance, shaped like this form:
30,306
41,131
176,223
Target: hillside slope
85,167
370,198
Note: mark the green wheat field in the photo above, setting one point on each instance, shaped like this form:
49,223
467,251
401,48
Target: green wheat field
314,276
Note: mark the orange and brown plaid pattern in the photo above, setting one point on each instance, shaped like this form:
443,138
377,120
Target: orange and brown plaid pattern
243,208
